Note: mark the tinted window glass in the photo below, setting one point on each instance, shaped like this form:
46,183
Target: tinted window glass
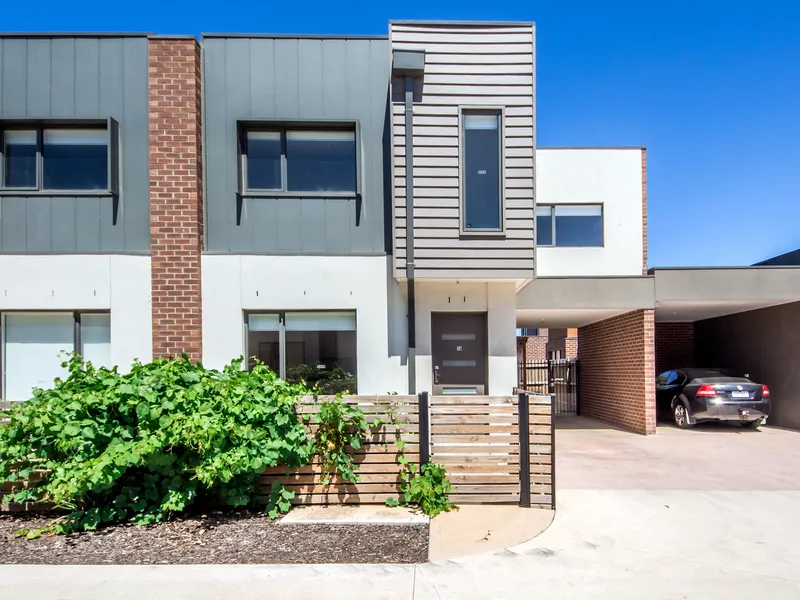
662,379
579,225
263,160
321,161
75,159
482,171
19,150
544,225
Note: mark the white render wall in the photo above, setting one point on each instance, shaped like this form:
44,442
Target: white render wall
235,284
72,282
498,299
609,176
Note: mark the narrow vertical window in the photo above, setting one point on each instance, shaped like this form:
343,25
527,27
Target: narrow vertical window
96,339
19,151
481,148
263,340
264,149
544,225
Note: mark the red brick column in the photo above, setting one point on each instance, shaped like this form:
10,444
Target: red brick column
674,346
617,371
176,195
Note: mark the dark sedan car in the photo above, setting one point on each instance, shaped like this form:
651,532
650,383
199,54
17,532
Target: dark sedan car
694,395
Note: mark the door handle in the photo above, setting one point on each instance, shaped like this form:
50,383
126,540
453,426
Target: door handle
436,374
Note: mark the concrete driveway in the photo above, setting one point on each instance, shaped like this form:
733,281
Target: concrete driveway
711,513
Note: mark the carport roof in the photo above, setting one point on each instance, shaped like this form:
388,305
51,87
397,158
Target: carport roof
696,293
676,293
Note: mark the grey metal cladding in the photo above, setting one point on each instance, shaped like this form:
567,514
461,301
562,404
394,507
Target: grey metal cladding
294,80
79,77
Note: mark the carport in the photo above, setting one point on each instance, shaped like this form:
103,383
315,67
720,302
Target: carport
616,350
742,318
630,328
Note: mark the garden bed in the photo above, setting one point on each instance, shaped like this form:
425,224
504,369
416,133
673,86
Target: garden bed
236,537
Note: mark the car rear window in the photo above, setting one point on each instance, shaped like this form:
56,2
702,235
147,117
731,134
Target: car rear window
720,379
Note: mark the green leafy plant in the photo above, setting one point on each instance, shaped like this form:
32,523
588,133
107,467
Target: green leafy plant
426,486
341,428
279,500
145,445
323,381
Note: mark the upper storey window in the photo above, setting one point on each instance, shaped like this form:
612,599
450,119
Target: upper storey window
481,192
575,225
289,160
59,158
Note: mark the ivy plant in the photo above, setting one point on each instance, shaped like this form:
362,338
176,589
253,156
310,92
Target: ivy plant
341,429
142,446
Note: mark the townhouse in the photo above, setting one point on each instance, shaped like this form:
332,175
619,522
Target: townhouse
370,206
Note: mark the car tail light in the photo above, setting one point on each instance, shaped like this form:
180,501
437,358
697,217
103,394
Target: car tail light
706,391
764,391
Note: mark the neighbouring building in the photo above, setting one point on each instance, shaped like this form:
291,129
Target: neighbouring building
372,210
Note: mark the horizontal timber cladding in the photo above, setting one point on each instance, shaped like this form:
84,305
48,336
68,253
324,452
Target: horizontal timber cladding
379,472
465,66
477,439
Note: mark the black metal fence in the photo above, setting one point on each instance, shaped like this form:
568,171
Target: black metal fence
558,377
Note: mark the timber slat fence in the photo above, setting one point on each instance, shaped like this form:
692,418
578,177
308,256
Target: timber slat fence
490,455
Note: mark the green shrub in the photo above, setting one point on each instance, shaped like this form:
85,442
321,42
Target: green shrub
426,487
142,446
324,381
341,429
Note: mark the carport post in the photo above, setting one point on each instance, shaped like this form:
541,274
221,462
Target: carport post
523,413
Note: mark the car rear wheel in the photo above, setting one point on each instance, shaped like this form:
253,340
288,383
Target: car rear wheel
752,424
680,415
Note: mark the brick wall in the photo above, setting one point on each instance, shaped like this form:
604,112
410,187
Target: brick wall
674,346
617,381
176,195
644,211
532,347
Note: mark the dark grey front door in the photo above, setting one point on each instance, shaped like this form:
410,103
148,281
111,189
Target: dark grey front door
459,353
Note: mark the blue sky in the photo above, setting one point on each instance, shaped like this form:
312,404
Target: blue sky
712,91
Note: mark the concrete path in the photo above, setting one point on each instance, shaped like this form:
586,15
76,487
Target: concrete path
616,543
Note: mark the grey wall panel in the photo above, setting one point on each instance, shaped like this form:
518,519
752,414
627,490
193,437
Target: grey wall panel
84,77
762,343
294,80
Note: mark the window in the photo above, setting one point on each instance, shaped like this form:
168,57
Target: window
573,225
59,158
316,347
32,343
482,208
528,332
297,160
19,150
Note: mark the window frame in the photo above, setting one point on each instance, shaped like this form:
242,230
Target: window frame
77,342
552,208
111,127
282,333
282,126
462,208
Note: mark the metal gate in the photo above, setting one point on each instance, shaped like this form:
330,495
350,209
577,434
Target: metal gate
558,377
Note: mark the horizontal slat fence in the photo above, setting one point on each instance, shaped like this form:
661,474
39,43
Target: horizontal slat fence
377,459
477,438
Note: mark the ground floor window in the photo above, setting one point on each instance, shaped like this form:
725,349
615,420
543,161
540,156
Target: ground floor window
316,347
32,343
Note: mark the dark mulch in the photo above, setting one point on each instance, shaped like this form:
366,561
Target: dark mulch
222,538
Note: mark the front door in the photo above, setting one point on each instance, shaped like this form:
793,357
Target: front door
459,353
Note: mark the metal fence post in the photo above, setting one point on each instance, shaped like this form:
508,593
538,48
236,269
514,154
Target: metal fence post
577,387
424,428
523,413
